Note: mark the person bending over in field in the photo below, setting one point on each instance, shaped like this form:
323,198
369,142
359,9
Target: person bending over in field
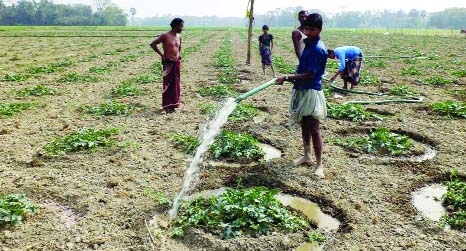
171,61
350,58
308,104
265,49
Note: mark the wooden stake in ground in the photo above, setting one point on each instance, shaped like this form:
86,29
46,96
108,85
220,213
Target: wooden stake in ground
250,14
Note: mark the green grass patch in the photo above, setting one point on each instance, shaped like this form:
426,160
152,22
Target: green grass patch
74,77
351,112
461,73
450,108
236,146
42,69
99,69
14,77
412,71
126,89
402,90
332,65
11,109
282,66
37,90
187,143
252,211
369,79
14,208
380,141
111,108
455,202
437,80
83,139
217,91
128,58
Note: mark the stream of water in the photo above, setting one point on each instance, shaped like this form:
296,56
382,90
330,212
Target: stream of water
209,132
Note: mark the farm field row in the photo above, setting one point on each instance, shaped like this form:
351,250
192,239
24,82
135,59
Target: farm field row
103,199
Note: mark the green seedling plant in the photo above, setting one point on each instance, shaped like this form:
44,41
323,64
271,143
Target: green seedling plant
14,208
74,77
461,73
376,64
187,143
450,108
37,90
159,197
128,58
126,89
351,112
217,91
99,69
11,109
332,65
14,77
437,80
209,109
228,75
111,108
146,79
402,90
455,202
282,66
315,236
253,211
380,141
231,145
412,71
243,112
42,69
369,79
81,140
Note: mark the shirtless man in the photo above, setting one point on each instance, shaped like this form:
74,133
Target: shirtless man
171,61
298,35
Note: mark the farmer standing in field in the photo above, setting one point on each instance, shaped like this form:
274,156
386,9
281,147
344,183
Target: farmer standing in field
297,35
350,58
265,49
308,104
171,61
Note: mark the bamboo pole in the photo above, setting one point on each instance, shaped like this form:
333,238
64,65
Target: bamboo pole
251,20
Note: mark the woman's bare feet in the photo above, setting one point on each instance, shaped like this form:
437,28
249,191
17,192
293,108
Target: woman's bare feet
305,160
320,172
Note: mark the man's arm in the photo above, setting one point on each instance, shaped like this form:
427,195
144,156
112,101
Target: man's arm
296,36
271,44
342,59
180,47
154,44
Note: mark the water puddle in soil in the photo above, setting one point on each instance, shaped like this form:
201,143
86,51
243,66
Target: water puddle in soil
427,200
270,152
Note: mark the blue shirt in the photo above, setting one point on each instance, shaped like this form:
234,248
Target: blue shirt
346,52
313,60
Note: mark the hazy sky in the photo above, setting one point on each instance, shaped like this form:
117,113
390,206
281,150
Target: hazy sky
237,8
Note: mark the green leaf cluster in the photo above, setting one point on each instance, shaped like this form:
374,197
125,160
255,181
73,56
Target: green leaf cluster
379,141
10,109
37,90
74,77
402,90
84,139
455,202
450,108
236,145
351,112
188,143
282,66
126,89
14,208
111,107
217,91
253,211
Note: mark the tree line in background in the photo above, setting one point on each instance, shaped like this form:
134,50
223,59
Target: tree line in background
453,18
44,12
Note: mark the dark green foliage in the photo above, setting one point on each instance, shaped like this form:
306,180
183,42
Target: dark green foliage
381,141
437,80
455,202
14,208
402,90
37,90
111,107
282,66
217,91
411,71
126,89
351,112
84,139
236,145
74,77
253,211
243,112
450,108
11,77
10,109
188,143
